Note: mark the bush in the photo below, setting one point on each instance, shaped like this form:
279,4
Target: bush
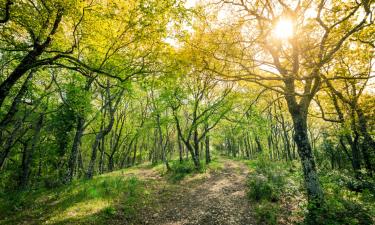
267,213
267,183
179,170
337,211
261,189
347,200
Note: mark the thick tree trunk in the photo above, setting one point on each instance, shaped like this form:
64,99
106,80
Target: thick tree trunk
314,190
25,64
155,148
194,156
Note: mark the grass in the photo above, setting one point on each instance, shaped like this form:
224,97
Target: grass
119,194
82,202
276,189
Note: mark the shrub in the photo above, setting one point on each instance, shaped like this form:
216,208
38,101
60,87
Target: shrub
179,170
260,188
347,200
109,211
337,211
267,182
267,213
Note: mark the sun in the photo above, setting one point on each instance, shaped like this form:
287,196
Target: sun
284,29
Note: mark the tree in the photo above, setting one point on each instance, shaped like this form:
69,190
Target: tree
292,63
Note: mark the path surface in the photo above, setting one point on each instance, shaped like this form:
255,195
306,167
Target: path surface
214,198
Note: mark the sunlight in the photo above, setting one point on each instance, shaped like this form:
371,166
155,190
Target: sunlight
284,29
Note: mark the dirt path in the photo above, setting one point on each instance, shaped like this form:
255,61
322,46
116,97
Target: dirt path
216,198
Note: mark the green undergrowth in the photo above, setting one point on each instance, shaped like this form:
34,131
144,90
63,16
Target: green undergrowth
180,170
82,202
277,190
343,204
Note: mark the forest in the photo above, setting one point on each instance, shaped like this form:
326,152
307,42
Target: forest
187,112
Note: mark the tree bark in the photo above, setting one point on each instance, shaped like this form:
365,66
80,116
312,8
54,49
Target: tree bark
112,109
179,147
368,144
314,190
28,155
75,148
207,144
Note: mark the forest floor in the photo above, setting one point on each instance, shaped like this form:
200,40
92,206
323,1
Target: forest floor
140,195
215,197
225,192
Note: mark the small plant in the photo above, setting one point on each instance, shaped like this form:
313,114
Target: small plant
267,182
260,188
109,211
179,170
267,213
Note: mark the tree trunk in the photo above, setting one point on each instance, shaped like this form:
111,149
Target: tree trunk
368,144
102,154
179,148
356,154
102,133
207,145
259,145
25,64
28,155
75,148
314,190
14,106
9,143
29,61
196,143
134,153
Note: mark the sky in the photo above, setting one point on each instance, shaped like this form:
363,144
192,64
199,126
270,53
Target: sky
191,3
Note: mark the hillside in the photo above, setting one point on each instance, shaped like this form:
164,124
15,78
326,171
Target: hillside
139,195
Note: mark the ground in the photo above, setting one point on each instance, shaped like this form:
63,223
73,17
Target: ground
141,195
225,192
217,197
